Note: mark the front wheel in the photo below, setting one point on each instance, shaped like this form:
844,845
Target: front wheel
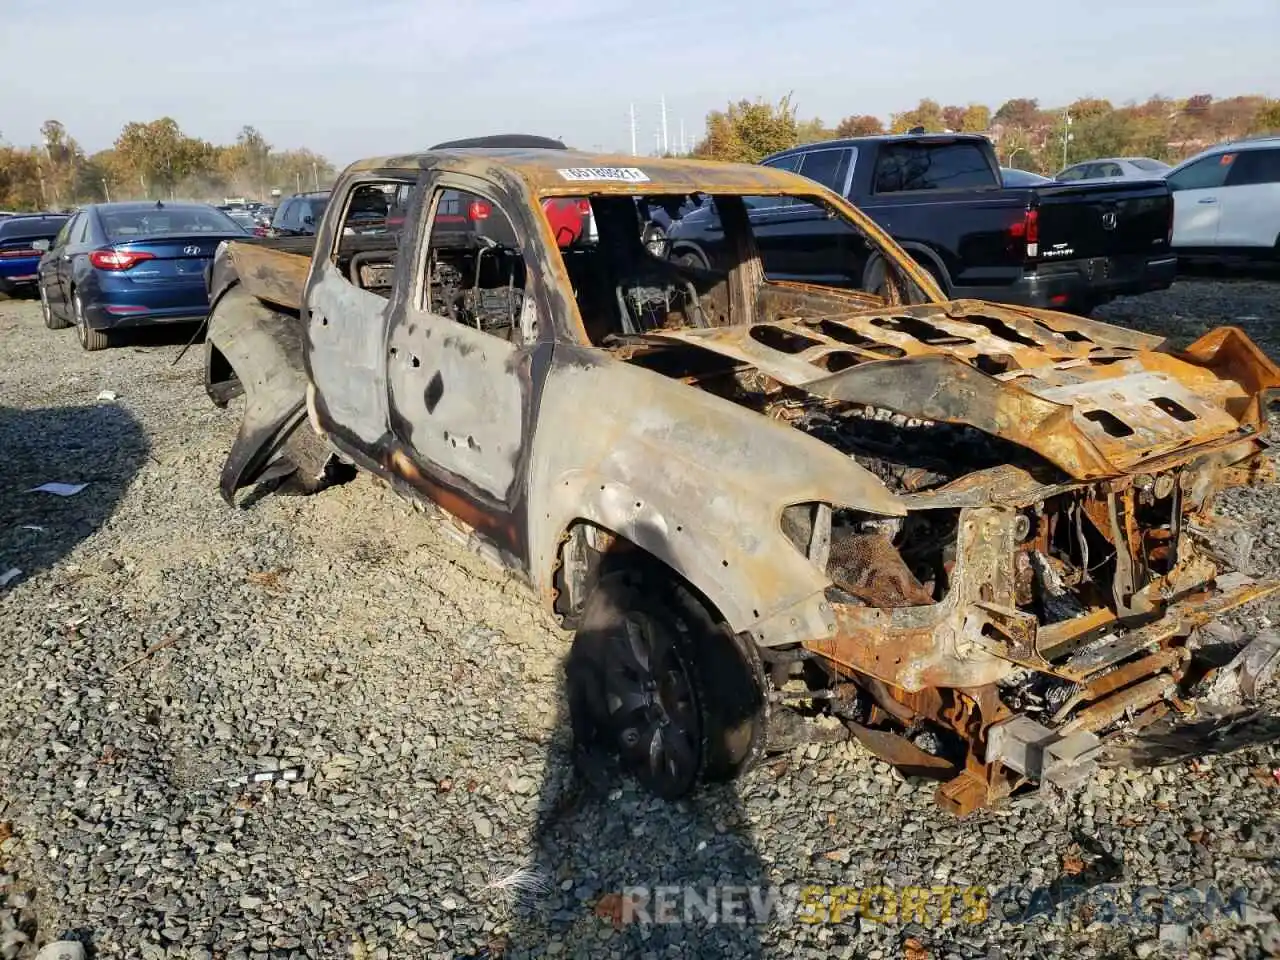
90,339
656,681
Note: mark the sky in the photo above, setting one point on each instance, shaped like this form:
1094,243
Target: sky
352,79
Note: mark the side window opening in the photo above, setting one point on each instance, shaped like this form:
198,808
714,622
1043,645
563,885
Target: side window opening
366,247
625,287
827,167
474,267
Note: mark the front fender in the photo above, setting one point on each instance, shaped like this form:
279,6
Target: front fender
265,349
695,480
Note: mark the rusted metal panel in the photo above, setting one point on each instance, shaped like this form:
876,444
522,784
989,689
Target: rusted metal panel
276,276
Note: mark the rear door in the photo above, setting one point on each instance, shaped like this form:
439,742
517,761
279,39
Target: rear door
797,240
1197,193
1250,201
50,281
64,265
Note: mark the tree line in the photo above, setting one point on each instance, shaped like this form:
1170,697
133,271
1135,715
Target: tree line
152,161
1026,135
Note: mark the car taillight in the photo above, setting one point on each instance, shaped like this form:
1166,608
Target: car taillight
1027,230
118,259
478,210
1168,239
19,253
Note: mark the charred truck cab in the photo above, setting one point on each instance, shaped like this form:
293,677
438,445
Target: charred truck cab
756,502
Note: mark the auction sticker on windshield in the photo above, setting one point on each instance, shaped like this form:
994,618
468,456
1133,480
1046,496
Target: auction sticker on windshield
610,174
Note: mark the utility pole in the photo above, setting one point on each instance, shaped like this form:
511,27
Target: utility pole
315,173
1066,138
634,151
664,125
106,190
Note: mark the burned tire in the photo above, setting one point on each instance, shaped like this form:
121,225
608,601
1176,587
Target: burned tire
655,681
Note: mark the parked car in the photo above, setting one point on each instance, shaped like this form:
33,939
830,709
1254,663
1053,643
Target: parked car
1131,168
298,215
910,514
23,240
116,265
1022,178
1227,203
1061,245
243,217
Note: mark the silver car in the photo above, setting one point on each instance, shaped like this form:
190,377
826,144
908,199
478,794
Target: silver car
1127,168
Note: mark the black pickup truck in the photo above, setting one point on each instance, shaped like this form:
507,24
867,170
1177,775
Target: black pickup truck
1066,246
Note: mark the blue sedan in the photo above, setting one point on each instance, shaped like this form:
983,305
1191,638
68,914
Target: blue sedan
19,259
126,264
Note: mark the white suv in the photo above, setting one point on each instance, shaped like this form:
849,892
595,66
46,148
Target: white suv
1227,202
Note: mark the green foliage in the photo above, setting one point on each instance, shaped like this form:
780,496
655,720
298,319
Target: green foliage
151,160
928,114
1268,119
862,125
749,130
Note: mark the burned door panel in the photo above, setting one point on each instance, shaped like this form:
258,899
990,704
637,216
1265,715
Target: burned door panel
458,371
345,354
459,395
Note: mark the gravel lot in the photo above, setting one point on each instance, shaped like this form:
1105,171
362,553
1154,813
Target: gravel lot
159,645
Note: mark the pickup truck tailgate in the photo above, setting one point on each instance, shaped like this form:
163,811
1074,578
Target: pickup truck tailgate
1106,218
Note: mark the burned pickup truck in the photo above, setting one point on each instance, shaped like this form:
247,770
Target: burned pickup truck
977,536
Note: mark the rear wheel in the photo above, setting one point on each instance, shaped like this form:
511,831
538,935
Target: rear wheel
692,258
90,339
51,319
656,681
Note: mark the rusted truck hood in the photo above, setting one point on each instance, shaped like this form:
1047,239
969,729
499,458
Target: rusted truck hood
1092,399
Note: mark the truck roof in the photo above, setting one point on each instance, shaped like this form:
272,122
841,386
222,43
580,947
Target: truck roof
574,172
840,142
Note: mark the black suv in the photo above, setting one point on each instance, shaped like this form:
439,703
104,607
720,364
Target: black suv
298,215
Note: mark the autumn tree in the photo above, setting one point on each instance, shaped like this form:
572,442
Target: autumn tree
161,155
927,114
860,126
20,179
1020,112
813,131
976,119
748,131
1268,118
1089,108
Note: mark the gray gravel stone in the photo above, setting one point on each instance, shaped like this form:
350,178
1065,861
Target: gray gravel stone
420,690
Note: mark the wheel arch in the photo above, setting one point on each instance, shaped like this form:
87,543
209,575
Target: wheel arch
928,258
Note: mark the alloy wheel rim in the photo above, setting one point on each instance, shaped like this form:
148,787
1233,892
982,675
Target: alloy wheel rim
81,329
650,701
